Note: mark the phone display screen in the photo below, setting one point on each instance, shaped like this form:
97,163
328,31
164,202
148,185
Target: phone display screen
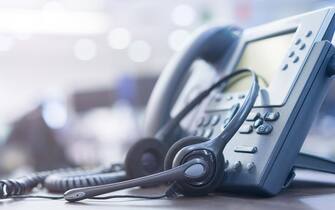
264,57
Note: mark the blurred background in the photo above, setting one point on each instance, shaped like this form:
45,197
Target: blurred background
76,75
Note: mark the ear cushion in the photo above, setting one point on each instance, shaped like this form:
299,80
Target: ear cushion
176,147
145,157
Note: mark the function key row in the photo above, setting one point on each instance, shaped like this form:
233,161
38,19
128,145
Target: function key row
301,46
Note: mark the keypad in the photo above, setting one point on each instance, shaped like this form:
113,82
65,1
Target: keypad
260,123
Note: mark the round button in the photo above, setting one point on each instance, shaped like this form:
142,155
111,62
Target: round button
226,164
297,42
309,33
237,165
291,54
250,166
201,121
201,132
215,119
302,46
208,133
207,121
296,59
218,98
229,98
241,96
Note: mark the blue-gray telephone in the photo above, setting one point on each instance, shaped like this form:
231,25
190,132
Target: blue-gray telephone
229,113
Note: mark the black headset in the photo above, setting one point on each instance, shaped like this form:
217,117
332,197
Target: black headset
194,165
147,155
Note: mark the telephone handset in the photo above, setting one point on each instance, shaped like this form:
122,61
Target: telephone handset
212,45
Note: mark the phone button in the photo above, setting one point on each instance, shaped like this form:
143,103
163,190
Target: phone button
245,149
258,122
208,132
253,116
271,116
296,59
291,54
215,119
264,129
207,120
297,42
201,121
302,46
245,129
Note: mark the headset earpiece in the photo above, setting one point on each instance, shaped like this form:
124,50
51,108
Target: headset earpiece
214,161
145,157
176,147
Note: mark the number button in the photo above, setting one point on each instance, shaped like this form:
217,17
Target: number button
258,122
245,129
264,129
253,116
207,121
208,133
201,121
271,116
215,120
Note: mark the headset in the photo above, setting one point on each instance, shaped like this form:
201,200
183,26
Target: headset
193,164
195,159
210,45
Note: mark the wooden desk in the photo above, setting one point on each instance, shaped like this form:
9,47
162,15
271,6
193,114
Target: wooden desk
309,191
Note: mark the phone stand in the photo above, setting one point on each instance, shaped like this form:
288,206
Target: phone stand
312,162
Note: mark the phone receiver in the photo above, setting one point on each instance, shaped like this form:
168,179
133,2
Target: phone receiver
210,45
190,171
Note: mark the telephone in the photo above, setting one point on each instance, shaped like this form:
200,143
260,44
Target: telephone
219,127
293,59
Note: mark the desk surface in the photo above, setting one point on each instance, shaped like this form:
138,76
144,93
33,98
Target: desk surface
310,190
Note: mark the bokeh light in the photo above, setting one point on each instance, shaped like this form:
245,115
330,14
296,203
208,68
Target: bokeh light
139,51
85,49
119,38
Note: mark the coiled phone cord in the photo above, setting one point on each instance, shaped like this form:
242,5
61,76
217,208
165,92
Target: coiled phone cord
10,188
